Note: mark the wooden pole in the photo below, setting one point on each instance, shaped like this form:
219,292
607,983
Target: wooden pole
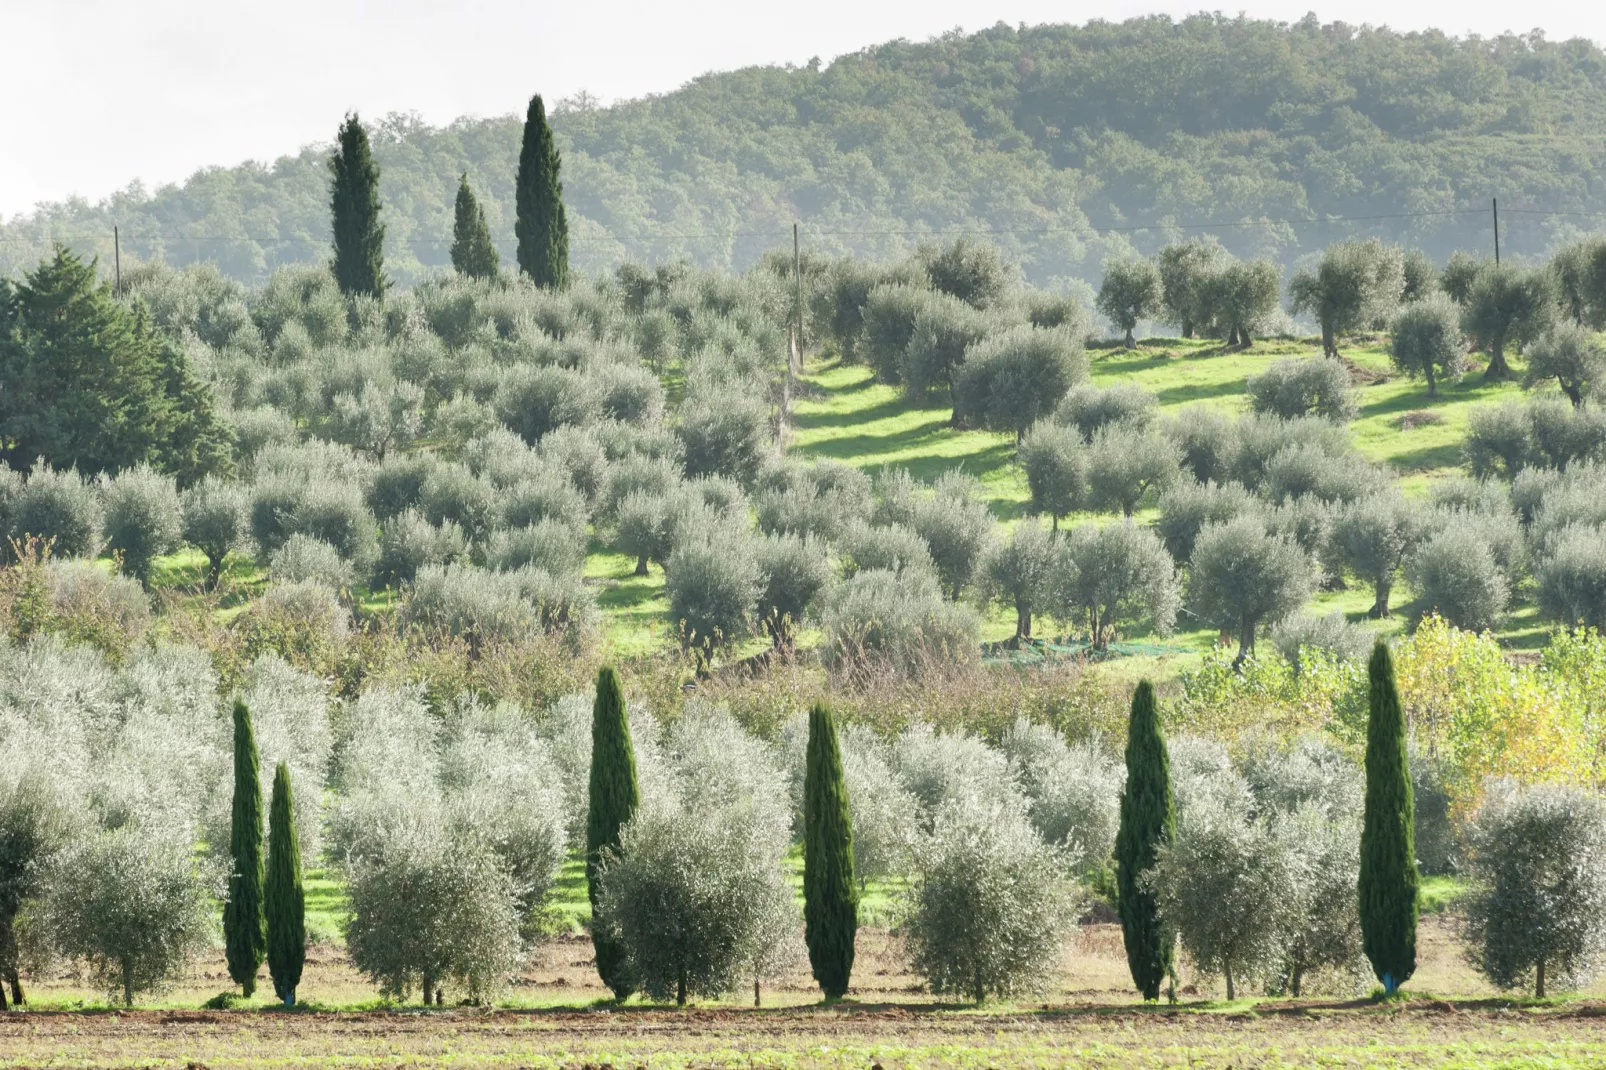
797,278
1494,204
117,260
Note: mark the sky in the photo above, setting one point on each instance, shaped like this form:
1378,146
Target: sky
100,94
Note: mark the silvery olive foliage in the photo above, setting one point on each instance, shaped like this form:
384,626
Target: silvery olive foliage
1073,792
1537,912
989,903
940,768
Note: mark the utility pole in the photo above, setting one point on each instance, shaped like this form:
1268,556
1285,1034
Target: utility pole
117,260
1494,203
797,278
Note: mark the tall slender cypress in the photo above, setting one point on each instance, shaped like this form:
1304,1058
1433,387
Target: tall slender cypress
284,898
244,938
614,798
1388,880
1148,819
830,892
473,252
354,207
542,227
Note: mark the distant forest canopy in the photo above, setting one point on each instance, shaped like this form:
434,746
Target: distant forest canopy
1058,141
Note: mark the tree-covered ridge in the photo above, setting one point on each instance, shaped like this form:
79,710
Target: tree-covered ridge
1058,137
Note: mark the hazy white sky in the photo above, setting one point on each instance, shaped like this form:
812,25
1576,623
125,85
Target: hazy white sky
98,93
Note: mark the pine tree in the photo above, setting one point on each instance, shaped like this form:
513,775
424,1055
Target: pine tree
830,892
1148,819
354,205
614,798
1388,880
541,227
244,938
473,253
283,896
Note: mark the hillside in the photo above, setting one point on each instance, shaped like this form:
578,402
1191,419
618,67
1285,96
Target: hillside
1068,143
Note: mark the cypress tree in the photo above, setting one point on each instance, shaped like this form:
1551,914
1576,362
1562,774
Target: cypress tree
541,226
1388,880
354,206
473,253
830,893
244,939
283,896
614,798
1148,819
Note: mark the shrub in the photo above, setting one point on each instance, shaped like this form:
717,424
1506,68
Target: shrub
1088,408
1425,339
142,518
1333,635
896,621
794,570
398,483
133,905
1132,290
1055,462
890,547
724,436
1305,470
1126,463
335,513
60,507
1013,378
988,906
630,393
1227,885
1241,576
1113,575
452,494
1304,386
428,907
1019,572
304,559
942,769
215,523
1455,575
685,895
408,542
1073,793
955,528
713,581
1572,577
1537,911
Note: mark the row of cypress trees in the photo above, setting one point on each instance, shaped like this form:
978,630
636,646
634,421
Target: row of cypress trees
542,227
265,913
1388,883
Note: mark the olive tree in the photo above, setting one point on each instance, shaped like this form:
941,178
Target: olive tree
1425,339
989,904
1570,355
1186,508
142,518
944,327
1537,911
1132,290
1013,378
972,271
1322,926
214,522
1304,386
1455,575
1125,464
1054,460
1073,793
1241,575
1241,297
1372,536
725,435
1504,305
1112,575
38,819
1018,572
133,905
794,570
1088,408
1571,574
713,581
1184,267
60,507
1356,284
955,528
1226,886
882,621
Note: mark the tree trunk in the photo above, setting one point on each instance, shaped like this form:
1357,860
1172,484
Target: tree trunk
1023,621
1056,524
641,565
756,1001
1295,979
1380,607
979,989
1329,343
680,990
1187,327
1498,370
214,571
1433,387
1246,644
3,1005
1539,980
1232,993
1131,343
1574,394
128,983
17,995
429,990
1244,339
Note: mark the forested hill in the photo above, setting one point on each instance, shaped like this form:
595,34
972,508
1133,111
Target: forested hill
1063,141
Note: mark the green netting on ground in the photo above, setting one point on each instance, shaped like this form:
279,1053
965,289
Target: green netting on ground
1039,651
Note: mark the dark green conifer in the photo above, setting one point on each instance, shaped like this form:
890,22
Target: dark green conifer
541,226
244,938
614,798
354,205
1148,819
284,898
1388,880
830,892
473,252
